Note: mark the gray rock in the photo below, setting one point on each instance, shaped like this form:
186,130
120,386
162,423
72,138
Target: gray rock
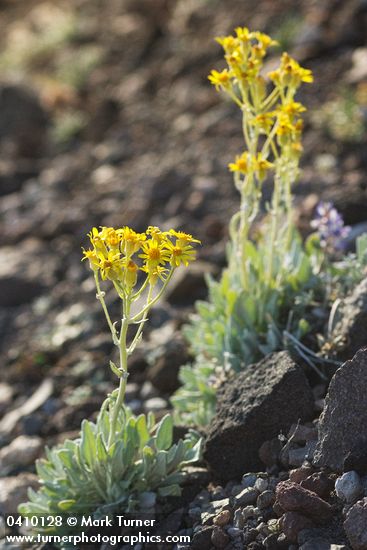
155,404
348,487
265,499
343,422
22,451
13,491
355,525
202,539
261,484
248,480
253,407
246,497
350,333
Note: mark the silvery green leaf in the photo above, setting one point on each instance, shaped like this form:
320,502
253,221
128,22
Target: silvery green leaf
88,443
164,433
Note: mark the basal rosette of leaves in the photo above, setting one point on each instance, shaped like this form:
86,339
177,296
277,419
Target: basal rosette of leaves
265,297
85,477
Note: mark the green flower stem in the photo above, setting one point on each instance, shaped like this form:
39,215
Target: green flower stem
141,325
154,300
100,297
122,386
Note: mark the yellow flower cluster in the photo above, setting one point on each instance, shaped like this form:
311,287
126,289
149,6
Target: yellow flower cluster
272,121
119,254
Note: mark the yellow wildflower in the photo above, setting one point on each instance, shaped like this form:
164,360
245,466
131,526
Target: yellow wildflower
243,34
96,239
155,273
264,122
285,126
241,164
183,238
228,43
156,234
154,253
91,255
131,273
110,236
290,73
292,108
180,253
131,241
110,266
265,40
221,80
261,166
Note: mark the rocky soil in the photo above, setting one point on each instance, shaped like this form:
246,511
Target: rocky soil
107,118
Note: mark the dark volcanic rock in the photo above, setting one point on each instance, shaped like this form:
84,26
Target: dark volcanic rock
356,459
351,332
318,483
355,525
292,523
294,498
254,407
343,422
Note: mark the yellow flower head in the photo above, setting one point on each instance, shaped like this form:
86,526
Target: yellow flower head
264,122
243,34
131,241
180,253
183,238
110,237
96,239
154,253
241,164
110,266
293,108
221,80
261,166
91,255
155,273
131,273
228,43
264,40
290,73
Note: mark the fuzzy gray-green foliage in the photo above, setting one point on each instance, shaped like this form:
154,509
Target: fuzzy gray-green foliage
84,476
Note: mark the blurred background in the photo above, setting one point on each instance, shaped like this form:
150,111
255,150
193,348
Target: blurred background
107,118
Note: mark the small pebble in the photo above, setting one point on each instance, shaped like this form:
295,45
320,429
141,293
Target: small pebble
248,480
238,519
261,484
348,487
247,496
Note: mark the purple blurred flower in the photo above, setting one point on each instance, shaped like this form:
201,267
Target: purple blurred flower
330,226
